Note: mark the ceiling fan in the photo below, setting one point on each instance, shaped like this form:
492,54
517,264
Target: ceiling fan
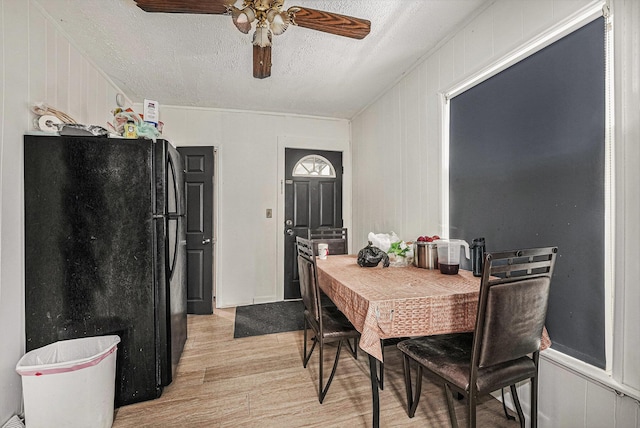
269,20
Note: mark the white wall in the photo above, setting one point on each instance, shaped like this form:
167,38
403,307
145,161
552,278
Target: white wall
250,149
397,158
249,146
37,64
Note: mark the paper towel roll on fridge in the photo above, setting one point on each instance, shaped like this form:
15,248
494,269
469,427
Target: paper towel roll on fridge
49,123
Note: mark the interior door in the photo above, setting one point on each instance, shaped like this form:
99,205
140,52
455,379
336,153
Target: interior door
199,169
313,199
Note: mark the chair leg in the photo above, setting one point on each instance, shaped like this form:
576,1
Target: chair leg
307,357
534,401
504,407
353,350
472,398
304,357
452,410
534,392
323,391
321,372
381,368
412,400
516,402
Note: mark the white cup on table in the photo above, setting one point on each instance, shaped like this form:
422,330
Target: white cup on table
323,251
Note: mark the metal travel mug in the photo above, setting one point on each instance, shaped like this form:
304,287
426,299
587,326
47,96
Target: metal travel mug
477,256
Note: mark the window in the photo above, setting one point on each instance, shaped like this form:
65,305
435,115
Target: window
621,318
527,168
314,166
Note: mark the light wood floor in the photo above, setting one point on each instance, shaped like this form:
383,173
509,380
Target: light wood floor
260,382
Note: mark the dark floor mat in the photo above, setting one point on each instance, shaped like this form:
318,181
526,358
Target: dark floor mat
268,318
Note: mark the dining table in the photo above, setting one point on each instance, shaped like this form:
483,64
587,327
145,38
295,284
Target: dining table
397,302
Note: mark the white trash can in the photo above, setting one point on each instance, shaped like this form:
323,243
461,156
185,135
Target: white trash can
70,383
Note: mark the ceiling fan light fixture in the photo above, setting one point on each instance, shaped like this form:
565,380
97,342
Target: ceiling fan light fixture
249,13
262,35
242,19
278,21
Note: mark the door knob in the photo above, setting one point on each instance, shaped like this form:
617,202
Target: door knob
206,241
289,232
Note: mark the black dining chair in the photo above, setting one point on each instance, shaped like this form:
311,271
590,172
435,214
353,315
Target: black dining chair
328,324
337,242
504,347
336,238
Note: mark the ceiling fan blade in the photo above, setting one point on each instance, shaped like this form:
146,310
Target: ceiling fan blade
261,61
185,6
328,22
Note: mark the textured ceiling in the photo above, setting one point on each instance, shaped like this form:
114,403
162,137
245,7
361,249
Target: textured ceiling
204,61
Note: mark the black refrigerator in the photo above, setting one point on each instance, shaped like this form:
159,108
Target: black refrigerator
105,252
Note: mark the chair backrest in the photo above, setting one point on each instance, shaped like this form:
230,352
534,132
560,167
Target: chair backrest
337,239
336,246
308,277
513,302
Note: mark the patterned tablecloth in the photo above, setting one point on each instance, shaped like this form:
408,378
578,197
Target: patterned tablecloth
407,301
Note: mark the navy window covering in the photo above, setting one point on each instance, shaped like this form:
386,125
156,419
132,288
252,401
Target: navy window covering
527,169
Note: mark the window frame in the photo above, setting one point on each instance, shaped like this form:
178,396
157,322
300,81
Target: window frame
310,174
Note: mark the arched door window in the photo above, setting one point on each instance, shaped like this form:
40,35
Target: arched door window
314,166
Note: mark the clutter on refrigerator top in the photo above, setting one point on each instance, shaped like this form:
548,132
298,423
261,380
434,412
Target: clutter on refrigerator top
126,122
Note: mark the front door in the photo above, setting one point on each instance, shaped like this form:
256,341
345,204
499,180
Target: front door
312,200
198,166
